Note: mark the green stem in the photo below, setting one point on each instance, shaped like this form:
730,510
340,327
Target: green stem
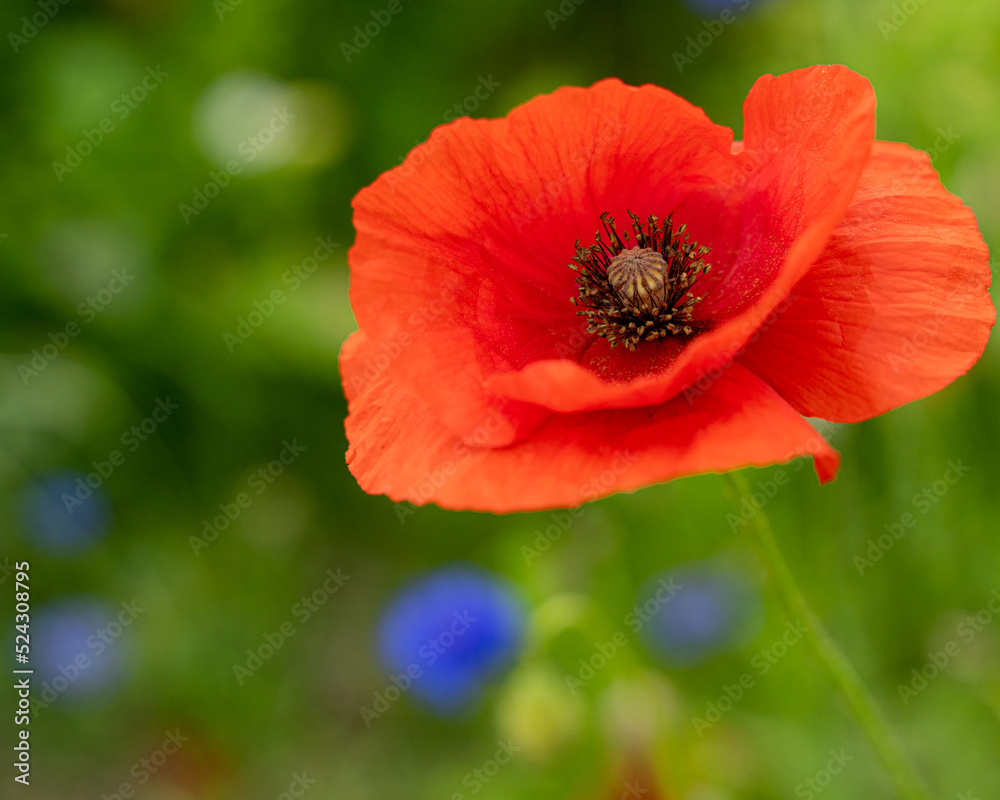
840,671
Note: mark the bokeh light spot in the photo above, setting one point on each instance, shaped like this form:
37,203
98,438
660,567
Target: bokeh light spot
459,626
63,514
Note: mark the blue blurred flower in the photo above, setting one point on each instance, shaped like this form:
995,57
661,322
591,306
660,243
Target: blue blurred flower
57,520
454,630
713,608
73,651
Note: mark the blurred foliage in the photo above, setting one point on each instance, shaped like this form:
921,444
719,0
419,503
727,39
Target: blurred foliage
135,159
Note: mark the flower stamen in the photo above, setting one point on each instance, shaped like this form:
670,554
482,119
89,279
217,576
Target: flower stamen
639,293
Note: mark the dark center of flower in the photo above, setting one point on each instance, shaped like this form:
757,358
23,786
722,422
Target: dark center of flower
639,293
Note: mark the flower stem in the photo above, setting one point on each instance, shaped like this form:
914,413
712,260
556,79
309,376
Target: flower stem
839,669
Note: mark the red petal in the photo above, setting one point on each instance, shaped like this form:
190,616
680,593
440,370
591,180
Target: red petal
808,136
896,307
464,248
399,446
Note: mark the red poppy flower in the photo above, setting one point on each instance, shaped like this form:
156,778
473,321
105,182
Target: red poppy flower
720,291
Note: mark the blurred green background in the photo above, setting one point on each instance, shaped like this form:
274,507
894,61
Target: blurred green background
102,173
